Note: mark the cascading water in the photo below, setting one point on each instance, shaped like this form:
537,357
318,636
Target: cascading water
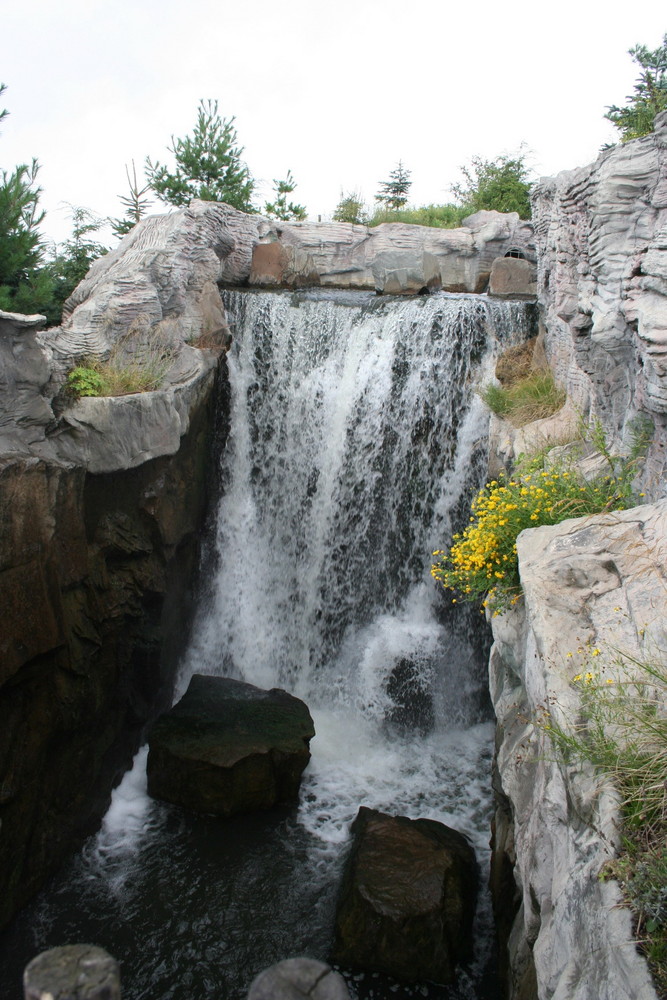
356,441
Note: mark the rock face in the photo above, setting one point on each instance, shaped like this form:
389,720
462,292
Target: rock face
601,235
407,899
228,747
96,578
393,258
591,583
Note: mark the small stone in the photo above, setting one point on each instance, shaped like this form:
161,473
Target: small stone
72,972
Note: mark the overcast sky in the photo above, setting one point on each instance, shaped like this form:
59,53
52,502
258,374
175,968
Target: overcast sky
337,92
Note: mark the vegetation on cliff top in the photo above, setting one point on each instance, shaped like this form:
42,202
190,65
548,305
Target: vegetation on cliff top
636,118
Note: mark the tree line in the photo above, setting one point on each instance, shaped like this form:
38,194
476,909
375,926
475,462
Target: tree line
208,164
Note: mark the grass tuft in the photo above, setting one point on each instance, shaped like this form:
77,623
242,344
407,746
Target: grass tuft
533,396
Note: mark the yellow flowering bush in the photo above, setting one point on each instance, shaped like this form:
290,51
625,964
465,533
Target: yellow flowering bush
482,561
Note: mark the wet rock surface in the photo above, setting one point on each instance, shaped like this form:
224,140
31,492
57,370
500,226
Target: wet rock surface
72,972
407,899
228,747
298,979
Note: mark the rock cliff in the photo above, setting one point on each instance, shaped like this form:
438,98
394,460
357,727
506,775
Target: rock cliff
601,238
597,583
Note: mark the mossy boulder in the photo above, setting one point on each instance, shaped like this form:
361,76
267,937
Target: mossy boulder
407,899
228,747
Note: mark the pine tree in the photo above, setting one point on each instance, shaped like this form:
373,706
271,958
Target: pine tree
394,192
135,204
280,208
650,96
208,165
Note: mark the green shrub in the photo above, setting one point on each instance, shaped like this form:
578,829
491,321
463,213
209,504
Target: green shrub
85,380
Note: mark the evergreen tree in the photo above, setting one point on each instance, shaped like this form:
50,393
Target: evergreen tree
135,204
394,192
501,185
650,96
21,246
208,165
351,208
280,208
72,259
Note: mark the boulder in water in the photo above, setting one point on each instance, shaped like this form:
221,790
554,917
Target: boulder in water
298,979
407,900
227,747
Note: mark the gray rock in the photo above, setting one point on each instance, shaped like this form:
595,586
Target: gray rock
596,582
407,899
393,258
72,972
298,979
228,747
512,278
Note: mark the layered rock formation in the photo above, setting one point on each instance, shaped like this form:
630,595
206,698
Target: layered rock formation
601,237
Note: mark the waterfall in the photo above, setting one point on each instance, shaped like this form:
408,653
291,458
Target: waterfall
356,442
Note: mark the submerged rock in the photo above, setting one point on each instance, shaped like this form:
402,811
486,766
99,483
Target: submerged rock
298,978
407,900
228,747
72,972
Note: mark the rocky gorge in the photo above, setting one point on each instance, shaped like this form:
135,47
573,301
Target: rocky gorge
105,500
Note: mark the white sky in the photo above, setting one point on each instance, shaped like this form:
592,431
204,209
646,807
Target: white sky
336,92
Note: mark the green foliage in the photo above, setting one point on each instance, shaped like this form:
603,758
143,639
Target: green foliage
135,204
437,216
72,259
501,185
351,208
636,118
393,193
532,397
85,380
21,247
621,729
208,165
281,208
